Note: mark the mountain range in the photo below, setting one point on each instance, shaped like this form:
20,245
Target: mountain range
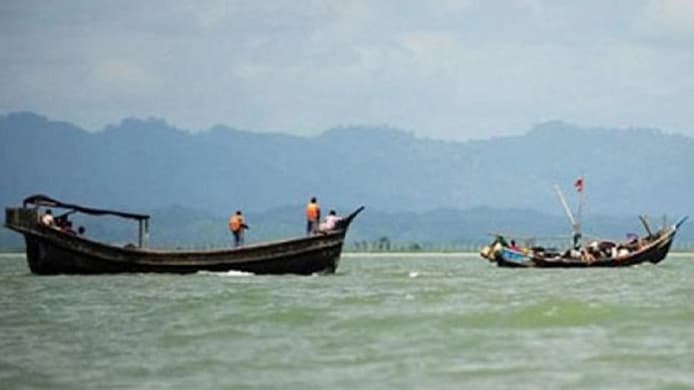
147,165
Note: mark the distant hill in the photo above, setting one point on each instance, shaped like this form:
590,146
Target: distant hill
416,190
145,165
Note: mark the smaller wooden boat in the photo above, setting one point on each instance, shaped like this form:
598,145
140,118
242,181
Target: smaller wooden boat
52,251
651,248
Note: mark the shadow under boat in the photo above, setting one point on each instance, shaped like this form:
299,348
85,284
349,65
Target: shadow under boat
51,251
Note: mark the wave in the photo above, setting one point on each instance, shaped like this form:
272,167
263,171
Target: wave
231,273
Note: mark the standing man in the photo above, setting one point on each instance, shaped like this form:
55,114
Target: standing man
312,216
237,225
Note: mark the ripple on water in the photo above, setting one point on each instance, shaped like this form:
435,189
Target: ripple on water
379,323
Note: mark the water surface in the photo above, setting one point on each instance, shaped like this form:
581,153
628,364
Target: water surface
398,321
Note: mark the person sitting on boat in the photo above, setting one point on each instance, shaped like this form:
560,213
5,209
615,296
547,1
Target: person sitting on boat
67,228
593,250
572,254
237,226
491,251
514,246
47,219
634,242
330,222
622,251
312,216
81,231
61,221
586,255
606,248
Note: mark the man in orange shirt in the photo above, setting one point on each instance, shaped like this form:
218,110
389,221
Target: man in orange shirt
237,225
312,216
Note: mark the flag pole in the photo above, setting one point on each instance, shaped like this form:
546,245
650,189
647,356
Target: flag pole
580,203
580,184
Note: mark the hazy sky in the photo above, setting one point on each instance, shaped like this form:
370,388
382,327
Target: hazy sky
445,69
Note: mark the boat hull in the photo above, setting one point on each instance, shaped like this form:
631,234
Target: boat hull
52,251
655,252
48,254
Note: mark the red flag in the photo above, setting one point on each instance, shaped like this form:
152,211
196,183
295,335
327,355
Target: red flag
579,184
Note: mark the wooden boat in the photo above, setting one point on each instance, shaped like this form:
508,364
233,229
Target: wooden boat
650,248
52,251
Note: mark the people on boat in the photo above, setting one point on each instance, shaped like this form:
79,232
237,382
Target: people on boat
593,250
237,226
67,228
47,218
330,222
586,255
577,240
81,231
312,216
492,250
572,254
634,243
61,221
622,251
607,249
514,246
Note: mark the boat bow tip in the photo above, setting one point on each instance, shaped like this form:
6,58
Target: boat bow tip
681,221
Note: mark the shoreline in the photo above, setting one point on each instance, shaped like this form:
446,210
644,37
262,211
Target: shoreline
399,254
409,254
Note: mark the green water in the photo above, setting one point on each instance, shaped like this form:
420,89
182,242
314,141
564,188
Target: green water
422,322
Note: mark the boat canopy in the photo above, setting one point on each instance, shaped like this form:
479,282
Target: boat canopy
45,201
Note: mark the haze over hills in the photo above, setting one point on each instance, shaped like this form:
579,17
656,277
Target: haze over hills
146,165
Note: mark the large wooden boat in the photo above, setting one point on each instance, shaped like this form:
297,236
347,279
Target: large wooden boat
650,248
52,251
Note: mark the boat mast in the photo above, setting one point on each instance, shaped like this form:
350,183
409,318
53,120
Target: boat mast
575,226
646,225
